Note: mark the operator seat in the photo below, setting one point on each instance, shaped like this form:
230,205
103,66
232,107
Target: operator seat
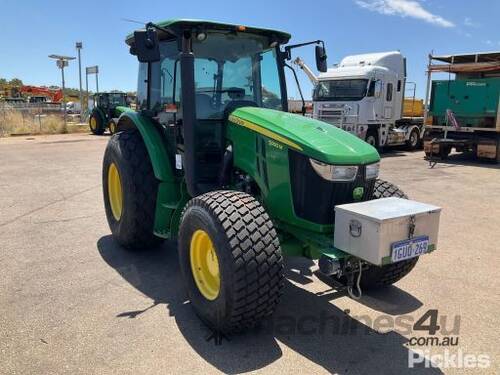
204,106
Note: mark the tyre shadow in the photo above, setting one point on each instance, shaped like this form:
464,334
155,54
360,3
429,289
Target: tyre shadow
305,322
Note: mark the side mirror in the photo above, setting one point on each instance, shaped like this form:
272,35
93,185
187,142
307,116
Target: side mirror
146,46
321,59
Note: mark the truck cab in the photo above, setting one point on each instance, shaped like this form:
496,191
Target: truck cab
364,95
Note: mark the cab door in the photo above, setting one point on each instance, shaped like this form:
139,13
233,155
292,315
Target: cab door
388,100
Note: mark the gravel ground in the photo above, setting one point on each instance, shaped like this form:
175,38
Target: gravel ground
71,301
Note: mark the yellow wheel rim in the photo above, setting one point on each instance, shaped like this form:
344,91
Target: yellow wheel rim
93,123
204,265
115,191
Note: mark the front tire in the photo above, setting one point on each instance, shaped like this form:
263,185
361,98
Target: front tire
231,261
379,277
413,140
372,138
96,124
129,189
112,126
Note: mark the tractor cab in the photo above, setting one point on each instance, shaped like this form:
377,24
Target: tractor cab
108,101
194,74
108,106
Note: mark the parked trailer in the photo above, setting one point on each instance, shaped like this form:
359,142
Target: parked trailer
464,113
365,95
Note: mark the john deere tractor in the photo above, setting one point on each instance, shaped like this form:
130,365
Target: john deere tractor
108,106
213,160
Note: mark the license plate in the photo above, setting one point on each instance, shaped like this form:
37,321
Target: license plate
408,249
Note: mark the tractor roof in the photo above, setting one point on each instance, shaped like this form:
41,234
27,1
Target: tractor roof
176,26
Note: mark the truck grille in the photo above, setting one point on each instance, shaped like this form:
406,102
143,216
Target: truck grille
314,198
331,116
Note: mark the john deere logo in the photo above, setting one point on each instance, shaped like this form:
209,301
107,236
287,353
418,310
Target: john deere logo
357,193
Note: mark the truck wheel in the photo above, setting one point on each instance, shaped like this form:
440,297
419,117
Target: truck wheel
130,189
372,138
378,277
96,124
413,140
231,261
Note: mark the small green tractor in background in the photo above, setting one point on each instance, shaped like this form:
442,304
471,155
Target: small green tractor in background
108,106
212,159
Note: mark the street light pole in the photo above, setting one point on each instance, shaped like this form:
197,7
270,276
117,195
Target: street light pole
63,95
61,62
79,46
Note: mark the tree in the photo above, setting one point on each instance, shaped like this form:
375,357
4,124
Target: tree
15,82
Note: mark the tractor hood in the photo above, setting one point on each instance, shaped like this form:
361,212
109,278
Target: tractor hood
316,139
121,109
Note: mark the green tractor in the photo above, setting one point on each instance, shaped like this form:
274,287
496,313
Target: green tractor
108,106
212,159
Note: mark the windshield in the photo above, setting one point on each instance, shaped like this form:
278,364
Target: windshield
116,100
340,90
228,69
232,68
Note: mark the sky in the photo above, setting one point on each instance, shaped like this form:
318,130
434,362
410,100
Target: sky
31,30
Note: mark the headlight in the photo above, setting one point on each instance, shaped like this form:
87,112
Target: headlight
334,172
372,170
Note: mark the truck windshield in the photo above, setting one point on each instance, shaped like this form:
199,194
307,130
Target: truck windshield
340,90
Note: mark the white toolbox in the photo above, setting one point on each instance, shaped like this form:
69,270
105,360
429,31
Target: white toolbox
387,230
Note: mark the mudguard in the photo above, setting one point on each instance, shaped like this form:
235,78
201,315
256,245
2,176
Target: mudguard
171,197
153,141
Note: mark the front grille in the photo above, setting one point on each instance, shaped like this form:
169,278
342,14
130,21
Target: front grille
314,198
330,116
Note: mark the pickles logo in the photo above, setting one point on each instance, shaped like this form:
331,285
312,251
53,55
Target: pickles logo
357,193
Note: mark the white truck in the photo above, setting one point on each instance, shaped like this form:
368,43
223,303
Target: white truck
364,95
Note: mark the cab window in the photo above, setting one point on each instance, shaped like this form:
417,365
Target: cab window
388,96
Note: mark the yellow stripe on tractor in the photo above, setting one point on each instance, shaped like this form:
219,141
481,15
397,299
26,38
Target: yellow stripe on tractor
258,129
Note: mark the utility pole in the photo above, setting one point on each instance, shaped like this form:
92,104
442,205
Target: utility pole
79,46
62,62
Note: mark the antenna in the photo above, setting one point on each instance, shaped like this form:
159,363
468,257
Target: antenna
133,21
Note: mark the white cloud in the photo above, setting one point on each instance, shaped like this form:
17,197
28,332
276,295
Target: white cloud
404,8
468,22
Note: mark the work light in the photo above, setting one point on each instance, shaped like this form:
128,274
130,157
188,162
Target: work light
334,172
372,170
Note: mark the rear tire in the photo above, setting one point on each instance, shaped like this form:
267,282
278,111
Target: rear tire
386,189
246,283
379,277
132,227
96,124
